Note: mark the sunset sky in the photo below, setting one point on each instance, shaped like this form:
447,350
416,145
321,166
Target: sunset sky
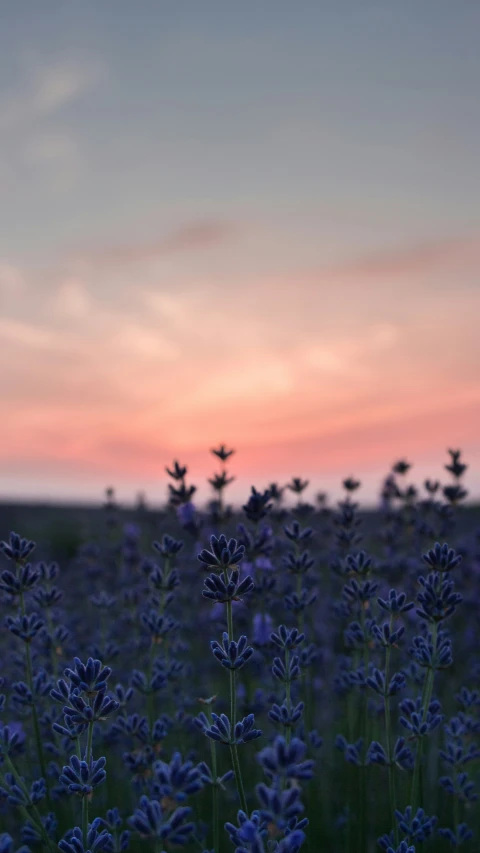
256,223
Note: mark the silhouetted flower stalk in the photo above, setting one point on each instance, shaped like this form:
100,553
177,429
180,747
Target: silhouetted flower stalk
180,494
297,486
219,482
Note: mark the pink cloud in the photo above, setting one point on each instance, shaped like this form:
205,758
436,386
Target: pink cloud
188,238
450,253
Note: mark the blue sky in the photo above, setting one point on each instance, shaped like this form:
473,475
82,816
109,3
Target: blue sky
314,115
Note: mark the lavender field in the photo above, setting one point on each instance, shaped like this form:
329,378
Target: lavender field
286,676
255,223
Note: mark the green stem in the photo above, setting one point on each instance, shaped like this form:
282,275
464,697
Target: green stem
301,615
167,572
391,769
351,835
233,700
215,814
216,827
233,696
36,725
364,731
288,696
363,816
88,755
31,812
307,681
456,804
150,696
364,734
85,821
53,660
238,777
350,713
415,796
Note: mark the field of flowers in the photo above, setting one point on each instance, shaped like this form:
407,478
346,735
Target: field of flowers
279,678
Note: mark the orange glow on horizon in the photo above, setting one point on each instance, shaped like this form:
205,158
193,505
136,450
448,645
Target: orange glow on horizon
313,374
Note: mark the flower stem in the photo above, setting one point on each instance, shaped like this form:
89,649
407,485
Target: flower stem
216,827
364,734
150,696
288,696
88,755
238,777
391,769
85,821
31,813
233,712
415,796
36,725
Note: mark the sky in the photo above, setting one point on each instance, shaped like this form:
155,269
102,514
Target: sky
255,223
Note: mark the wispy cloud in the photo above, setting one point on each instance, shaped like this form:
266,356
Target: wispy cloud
187,238
353,356
11,277
60,85
146,343
34,122
46,88
26,334
72,299
414,259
